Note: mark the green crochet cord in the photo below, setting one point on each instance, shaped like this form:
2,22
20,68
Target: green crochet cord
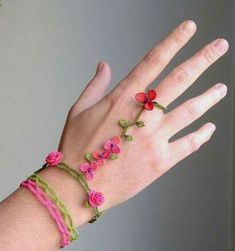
54,197
80,178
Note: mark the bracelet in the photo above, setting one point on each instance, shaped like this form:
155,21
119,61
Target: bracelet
54,212
78,177
59,203
47,197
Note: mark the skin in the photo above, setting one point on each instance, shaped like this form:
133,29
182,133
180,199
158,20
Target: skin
93,118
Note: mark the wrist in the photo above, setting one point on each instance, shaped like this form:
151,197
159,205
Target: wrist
71,192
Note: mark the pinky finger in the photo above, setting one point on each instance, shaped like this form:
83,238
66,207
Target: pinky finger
183,147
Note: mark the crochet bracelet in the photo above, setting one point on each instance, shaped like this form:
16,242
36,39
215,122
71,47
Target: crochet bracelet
54,212
111,149
78,176
56,208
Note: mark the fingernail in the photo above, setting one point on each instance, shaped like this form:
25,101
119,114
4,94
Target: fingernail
221,44
211,126
222,90
189,26
100,66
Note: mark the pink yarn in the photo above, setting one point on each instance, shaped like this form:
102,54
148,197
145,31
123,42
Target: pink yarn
88,169
54,158
113,144
95,198
53,210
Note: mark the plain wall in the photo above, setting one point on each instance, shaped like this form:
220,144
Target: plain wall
49,51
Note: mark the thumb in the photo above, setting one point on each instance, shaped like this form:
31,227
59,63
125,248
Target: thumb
94,90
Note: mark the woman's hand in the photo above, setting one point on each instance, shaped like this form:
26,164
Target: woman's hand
94,118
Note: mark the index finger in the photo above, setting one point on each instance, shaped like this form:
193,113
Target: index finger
146,71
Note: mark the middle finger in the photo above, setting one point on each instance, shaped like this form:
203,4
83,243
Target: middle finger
186,73
147,70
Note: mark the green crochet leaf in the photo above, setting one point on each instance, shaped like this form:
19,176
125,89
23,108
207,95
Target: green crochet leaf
140,123
87,204
88,156
128,137
113,156
123,123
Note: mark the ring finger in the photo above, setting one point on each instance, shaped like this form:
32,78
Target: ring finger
192,109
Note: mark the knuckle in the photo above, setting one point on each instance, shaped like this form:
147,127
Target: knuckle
160,152
192,108
116,95
155,59
194,142
160,160
163,157
177,38
180,75
208,54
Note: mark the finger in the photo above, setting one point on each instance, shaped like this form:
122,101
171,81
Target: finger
94,90
186,73
183,147
192,109
159,56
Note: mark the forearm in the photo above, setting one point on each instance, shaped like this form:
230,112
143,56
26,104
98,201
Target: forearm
26,224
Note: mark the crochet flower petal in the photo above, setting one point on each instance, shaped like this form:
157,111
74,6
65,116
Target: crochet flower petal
141,97
54,158
149,106
96,155
89,175
116,139
107,144
99,162
93,165
95,198
84,167
116,149
106,154
152,94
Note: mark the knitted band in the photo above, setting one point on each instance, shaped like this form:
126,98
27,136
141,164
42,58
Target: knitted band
52,209
58,202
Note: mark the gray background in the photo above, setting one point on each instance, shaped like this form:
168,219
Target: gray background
49,51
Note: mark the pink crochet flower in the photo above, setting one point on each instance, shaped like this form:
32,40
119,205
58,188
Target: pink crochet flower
95,198
113,144
100,157
54,158
88,169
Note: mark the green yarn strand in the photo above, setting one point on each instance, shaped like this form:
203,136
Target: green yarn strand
54,197
80,178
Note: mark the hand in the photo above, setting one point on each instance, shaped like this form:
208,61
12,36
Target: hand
93,118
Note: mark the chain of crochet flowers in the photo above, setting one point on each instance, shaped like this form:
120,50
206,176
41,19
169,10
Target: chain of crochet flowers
79,177
111,149
62,208
53,210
